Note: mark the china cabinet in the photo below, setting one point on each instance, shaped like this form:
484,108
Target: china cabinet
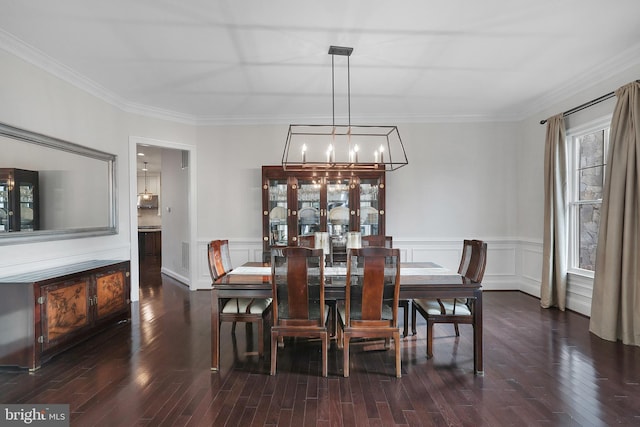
19,200
48,311
296,204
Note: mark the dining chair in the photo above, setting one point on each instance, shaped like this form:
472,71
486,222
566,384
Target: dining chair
245,310
387,242
299,310
354,240
226,256
456,310
307,241
370,308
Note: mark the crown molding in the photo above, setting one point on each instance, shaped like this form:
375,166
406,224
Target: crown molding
603,71
34,56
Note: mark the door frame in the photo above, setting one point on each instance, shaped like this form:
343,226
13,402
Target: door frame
133,209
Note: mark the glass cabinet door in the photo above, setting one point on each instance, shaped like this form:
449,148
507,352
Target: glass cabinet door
338,216
278,212
4,205
18,200
309,207
27,205
370,211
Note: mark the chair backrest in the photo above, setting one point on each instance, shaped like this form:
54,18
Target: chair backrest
377,240
474,260
226,256
307,241
354,240
215,259
297,282
373,287
323,241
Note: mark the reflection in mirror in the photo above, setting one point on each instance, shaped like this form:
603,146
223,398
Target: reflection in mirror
53,189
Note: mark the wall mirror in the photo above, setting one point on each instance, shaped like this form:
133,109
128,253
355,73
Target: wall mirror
52,189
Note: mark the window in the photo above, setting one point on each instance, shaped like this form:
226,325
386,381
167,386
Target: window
587,156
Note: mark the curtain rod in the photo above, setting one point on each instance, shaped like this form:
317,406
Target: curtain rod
586,105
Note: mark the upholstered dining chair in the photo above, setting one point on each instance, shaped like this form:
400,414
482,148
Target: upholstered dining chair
246,310
387,242
370,309
457,310
299,310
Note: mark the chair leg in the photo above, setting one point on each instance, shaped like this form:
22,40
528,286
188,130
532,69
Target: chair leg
429,339
413,319
396,338
345,351
325,344
333,316
260,338
455,326
274,351
405,309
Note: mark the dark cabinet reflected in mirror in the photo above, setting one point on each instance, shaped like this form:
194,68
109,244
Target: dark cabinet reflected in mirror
19,200
53,189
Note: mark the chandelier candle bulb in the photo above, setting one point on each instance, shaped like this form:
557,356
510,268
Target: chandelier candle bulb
381,154
355,152
304,153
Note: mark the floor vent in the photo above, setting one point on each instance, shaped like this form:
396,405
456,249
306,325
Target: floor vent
185,255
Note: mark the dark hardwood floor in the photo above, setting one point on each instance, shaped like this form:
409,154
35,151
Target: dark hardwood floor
542,368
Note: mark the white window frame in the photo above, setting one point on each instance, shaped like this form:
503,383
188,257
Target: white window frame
573,180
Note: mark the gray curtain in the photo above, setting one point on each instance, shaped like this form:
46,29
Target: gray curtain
615,307
553,290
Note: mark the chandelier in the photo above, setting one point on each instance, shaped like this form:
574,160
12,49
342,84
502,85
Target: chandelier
145,195
346,146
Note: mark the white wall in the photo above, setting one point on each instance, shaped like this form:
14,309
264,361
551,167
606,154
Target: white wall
175,216
38,101
460,183
480,180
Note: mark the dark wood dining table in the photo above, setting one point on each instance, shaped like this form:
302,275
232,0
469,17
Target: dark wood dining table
417,280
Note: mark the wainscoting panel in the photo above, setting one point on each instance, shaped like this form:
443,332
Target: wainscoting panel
579,294
530,267
512,264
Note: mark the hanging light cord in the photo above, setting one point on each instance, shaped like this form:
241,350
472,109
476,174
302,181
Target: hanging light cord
333,89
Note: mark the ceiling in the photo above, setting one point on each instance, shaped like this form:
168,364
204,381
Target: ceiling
256,61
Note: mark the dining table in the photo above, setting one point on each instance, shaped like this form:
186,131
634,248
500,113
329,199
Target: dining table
417,280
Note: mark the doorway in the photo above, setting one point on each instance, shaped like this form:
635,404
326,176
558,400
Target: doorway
162,211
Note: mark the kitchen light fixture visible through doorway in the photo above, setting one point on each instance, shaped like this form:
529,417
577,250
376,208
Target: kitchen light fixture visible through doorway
145,195
339,147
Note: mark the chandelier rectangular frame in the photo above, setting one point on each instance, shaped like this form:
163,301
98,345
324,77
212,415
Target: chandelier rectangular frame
333,147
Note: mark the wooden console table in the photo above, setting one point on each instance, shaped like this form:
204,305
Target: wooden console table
45,312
